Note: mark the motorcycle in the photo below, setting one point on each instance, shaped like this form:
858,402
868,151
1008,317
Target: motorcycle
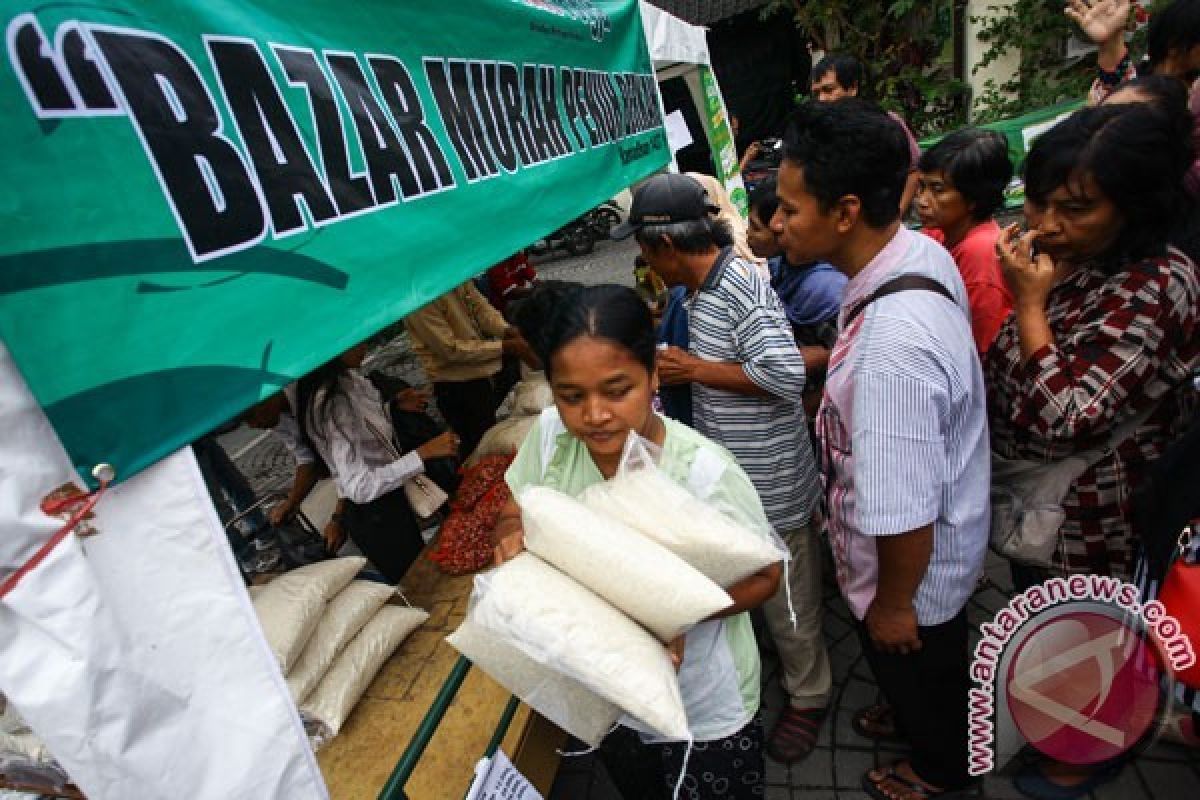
577,238
603,218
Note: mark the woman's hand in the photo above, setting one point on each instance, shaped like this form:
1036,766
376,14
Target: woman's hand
412,400
443,446
1100,20
675,649
1030,277
508,537
508,547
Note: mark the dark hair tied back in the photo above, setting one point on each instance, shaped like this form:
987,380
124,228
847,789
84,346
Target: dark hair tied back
557,314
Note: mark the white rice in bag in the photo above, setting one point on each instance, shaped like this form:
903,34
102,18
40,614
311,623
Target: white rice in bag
646,581
571,630
653,504
290,606
326,709
344,616
567,703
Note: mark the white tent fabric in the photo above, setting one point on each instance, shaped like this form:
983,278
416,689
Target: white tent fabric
671,40
134,653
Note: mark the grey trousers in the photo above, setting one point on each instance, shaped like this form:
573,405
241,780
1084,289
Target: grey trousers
803,660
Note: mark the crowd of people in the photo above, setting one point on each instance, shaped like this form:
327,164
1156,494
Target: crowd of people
845,379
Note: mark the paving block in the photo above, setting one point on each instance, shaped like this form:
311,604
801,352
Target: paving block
1167,781
777,774
814,772
849,766
779,793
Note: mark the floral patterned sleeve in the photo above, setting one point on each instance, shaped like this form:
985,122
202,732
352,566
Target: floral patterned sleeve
1099,90
1113,354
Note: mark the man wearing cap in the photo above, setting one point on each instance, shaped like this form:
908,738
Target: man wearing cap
747,380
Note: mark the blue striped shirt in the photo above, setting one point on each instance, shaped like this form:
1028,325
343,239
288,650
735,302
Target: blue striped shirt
736,316
903,431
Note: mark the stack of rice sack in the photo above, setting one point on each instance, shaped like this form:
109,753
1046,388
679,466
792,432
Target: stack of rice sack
464,542
331,634
576,625
24,758
516,414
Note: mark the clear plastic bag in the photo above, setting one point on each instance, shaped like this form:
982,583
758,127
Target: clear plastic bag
641,578
563,626
688,521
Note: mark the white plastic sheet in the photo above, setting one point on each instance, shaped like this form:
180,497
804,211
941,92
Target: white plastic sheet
135,654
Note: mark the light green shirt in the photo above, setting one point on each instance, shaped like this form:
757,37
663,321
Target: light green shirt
720,675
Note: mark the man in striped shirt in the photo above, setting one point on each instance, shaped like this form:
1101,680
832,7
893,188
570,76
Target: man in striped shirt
902,432
747,379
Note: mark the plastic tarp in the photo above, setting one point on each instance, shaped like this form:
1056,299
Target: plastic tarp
134,652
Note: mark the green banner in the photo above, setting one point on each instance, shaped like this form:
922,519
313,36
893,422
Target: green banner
720,141
206,199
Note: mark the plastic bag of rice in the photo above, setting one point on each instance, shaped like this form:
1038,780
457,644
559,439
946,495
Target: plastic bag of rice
344,616
574,632
290,606
645,580
326,709
566,702
648,501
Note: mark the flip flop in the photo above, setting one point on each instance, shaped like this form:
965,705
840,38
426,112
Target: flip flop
913,790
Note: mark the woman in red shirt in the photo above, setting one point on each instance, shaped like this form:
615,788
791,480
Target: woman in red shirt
960,185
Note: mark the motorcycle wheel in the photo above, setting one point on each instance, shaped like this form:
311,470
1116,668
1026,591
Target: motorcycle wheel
603,220
579,241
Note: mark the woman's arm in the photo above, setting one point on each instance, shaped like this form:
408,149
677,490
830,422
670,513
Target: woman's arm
1075,390
751,592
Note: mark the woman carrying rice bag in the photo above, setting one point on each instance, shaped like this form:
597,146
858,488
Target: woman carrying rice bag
598,348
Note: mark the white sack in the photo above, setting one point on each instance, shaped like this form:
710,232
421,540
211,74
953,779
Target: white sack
345,616
290,606
567,703
502,439
327,708
571,630
531,396
649,583
134,654
650,502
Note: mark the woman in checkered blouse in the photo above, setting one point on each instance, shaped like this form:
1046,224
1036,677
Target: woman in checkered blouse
1105,318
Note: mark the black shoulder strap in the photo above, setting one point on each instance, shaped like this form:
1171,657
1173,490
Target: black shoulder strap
903,283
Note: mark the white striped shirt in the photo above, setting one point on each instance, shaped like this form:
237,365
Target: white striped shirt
737,317
903,431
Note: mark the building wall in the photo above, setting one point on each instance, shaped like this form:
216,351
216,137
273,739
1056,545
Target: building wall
999,70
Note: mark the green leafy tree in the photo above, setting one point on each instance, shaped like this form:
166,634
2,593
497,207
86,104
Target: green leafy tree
903,44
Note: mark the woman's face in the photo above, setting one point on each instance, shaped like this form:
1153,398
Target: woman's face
1077,221
602,393
939,204
760,237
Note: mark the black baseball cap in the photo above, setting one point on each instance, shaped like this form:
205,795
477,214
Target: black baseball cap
664,199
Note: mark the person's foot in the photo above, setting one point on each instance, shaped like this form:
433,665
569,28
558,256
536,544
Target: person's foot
795,734
900,782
